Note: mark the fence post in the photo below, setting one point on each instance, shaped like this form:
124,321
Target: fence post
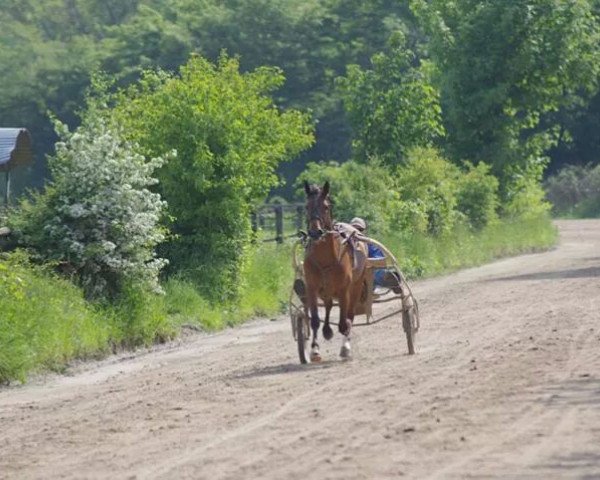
254,221
7,192
279,223
299,217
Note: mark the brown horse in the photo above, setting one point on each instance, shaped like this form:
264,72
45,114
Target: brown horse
328,270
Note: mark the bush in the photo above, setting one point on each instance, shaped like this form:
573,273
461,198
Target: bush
525,197
428,194
428,185
477,196
575,190
364,190
97,219
590,204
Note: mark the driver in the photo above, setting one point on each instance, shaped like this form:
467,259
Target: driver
382,277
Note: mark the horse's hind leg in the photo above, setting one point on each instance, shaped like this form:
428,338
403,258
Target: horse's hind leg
344,327
327,331
355,292
346,350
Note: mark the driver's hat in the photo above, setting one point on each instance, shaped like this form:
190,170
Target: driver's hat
359,224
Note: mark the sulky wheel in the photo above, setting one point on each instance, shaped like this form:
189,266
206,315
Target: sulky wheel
303,337
409,327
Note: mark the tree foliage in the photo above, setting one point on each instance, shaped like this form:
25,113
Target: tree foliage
230,138
50,49
392,106
361,190
505,69
514,79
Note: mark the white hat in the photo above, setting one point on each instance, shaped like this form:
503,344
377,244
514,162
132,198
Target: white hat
358,223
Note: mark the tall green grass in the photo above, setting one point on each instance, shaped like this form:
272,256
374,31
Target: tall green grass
268,275
425,256
265,284
138,318
44,321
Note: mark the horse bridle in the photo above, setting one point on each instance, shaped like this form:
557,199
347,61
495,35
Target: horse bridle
315,214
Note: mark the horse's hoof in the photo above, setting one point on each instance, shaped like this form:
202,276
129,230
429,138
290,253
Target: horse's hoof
346,353
327,332
315,357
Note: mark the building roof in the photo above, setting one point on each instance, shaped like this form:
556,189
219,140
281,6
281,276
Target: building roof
15,148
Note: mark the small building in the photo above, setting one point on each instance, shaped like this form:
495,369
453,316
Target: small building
15,150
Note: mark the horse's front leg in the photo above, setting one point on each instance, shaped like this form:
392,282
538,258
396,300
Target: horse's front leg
327,331
315,321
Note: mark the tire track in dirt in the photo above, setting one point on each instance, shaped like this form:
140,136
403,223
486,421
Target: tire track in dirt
244,430
532,419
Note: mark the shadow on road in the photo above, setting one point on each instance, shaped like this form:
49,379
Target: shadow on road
582,391
588,272
576,462
284,369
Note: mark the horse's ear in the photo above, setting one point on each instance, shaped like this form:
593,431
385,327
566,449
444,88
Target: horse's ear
306,187
325,190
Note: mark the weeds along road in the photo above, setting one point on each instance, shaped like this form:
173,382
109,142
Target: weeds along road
506,383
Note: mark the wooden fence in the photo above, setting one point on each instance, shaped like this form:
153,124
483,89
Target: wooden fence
278,222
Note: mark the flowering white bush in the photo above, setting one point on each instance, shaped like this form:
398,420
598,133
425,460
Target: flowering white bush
98,218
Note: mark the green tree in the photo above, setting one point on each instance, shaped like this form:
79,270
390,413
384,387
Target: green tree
48,51
357,189
230,138
505,68
391,107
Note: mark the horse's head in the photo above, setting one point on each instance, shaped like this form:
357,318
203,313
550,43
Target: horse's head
318,209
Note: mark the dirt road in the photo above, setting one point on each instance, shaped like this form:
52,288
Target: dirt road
505,384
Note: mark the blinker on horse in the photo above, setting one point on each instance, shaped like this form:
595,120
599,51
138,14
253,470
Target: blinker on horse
328,271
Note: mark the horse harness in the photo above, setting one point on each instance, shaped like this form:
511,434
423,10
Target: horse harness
347,240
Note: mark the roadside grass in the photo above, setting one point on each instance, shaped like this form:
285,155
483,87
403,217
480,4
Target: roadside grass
45,322
265,287
138,318
268,275
425,256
